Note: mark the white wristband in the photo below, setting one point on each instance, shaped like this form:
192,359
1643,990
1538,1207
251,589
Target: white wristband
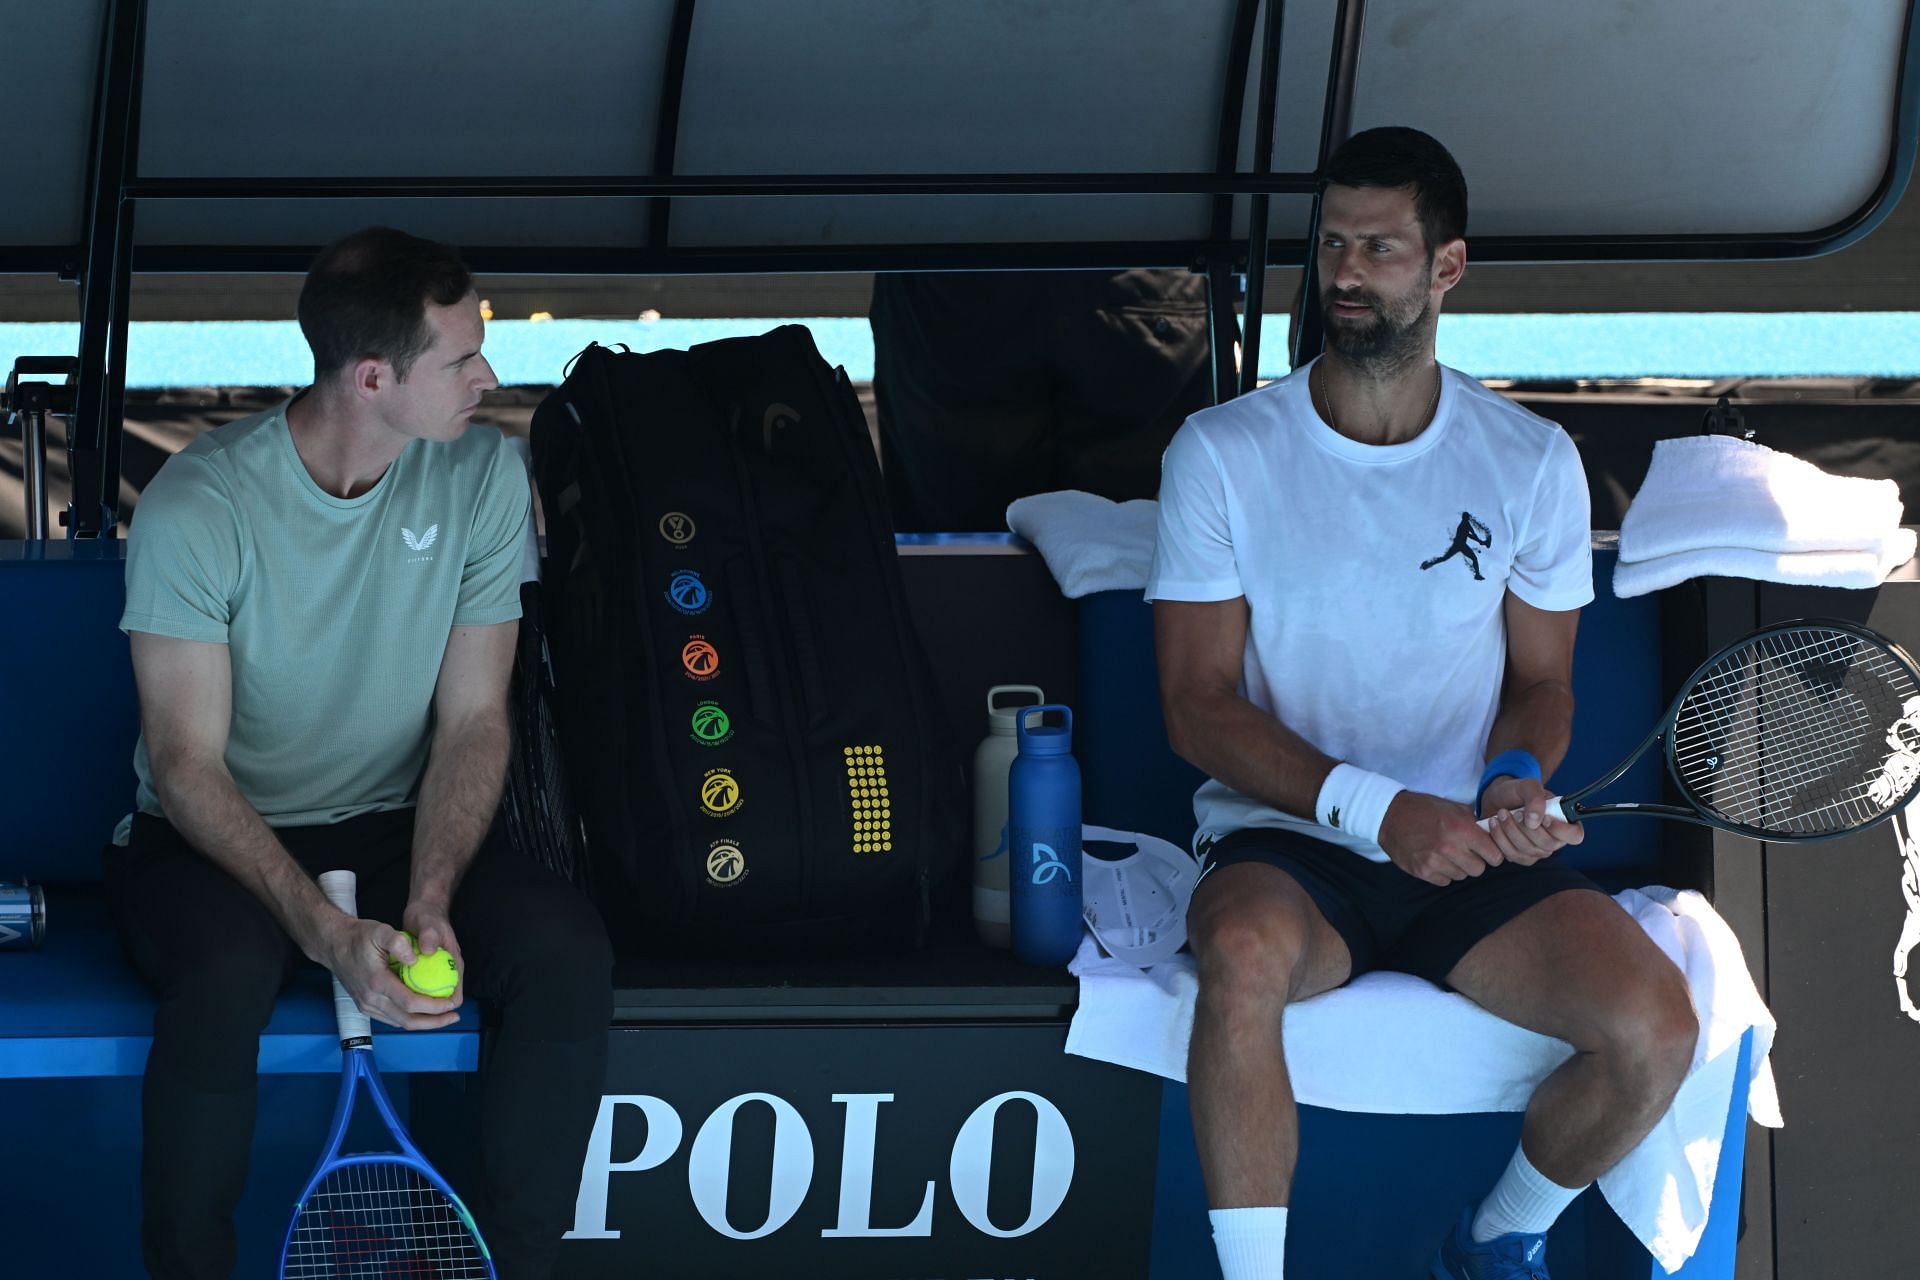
1355,801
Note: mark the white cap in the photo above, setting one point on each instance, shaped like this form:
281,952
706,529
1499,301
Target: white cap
1137,906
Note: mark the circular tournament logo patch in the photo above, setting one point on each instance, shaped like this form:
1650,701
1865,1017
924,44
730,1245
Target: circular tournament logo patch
711,726
677,527
719,793
726,865
700,660
687,593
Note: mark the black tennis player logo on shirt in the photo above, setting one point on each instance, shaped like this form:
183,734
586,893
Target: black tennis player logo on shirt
1469,534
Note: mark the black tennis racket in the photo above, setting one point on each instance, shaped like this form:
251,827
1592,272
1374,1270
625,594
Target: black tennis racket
387,1213
1803,731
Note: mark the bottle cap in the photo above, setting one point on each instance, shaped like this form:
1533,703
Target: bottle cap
999,718
1045,739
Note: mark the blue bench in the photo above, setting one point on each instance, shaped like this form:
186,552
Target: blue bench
76,1008
1374,1192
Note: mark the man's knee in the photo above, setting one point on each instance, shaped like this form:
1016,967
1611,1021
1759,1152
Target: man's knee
1251,946
208,1022
1652,1034
557,971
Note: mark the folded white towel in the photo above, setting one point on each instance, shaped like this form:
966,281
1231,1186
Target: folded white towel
1090,543
1346,1050
1716,491
1859,569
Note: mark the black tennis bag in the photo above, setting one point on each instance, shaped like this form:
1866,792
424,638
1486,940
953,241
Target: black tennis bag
745,709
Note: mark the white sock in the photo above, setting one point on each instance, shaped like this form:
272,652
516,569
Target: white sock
1252,1243
1523,1200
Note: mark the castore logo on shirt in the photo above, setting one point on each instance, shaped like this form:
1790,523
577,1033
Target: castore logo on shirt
420,542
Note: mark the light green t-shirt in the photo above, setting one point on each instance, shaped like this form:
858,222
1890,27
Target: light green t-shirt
335,611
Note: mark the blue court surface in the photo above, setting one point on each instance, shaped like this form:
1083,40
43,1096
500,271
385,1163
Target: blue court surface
1835,344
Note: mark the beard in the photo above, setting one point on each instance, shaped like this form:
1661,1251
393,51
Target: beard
1395,333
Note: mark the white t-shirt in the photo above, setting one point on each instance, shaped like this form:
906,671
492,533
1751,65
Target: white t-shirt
1374,574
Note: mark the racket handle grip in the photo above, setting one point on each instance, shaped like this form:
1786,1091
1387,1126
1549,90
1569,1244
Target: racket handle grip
1554,810
342,890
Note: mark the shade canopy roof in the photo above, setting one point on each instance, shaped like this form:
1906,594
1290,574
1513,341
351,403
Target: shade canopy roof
701,135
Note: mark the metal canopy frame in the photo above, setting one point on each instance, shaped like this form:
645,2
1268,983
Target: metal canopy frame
105,263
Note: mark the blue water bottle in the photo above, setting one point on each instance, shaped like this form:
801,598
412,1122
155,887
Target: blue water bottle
1043,820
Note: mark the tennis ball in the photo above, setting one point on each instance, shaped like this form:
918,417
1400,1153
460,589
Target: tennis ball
432,974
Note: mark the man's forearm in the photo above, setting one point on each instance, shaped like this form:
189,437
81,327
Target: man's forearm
1538,720
201,801
459,796
1236,743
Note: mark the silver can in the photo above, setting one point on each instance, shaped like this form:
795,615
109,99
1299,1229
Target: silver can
23,915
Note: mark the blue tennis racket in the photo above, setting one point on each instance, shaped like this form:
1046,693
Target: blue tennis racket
375,1214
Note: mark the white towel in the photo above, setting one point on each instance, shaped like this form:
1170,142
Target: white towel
1090,543
1347,1050
1859,569
1716,491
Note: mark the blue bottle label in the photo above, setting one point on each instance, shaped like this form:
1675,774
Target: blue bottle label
1047,866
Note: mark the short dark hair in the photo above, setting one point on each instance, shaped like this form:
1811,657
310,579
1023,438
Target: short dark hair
367,294
1399,157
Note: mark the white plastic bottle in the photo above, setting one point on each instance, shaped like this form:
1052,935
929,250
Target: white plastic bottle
991,760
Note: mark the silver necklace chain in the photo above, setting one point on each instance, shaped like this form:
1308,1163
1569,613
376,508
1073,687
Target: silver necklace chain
1326,397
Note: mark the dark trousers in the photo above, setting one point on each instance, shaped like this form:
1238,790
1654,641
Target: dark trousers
993,385
536,953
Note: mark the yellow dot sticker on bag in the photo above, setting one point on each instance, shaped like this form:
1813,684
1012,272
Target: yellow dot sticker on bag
867,798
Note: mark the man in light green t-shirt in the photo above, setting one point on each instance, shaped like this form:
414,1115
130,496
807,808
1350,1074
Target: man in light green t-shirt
322,601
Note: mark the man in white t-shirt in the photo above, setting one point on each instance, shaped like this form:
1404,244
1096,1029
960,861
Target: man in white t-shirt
1367,584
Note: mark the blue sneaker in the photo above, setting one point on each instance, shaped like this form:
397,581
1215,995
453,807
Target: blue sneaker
1518,1256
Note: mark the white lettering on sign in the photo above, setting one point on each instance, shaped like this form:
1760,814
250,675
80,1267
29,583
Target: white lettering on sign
663,1139
856,1173
972,1165
710,1161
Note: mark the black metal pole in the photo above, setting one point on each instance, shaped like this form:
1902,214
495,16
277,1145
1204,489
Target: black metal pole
100,392
1257,214
1336,123
1223,326
723,184
1223,329
666,137
1233,101
115,419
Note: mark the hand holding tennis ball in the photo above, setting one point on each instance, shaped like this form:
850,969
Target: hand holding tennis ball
430,975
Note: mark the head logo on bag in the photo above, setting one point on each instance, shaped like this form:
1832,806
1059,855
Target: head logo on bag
699,659
711,725
719,793
687,593
726,865
777,418
677,527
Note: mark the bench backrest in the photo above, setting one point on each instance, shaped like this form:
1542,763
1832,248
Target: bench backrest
67,701
66,774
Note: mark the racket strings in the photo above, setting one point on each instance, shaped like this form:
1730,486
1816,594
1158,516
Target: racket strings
1802,723
380,1217
1792,733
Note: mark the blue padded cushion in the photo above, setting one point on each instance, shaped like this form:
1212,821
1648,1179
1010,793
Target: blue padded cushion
1134,782
66,757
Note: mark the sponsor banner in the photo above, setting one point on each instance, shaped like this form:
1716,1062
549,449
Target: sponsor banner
865,1153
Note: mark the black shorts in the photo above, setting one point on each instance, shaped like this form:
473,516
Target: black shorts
1388,918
